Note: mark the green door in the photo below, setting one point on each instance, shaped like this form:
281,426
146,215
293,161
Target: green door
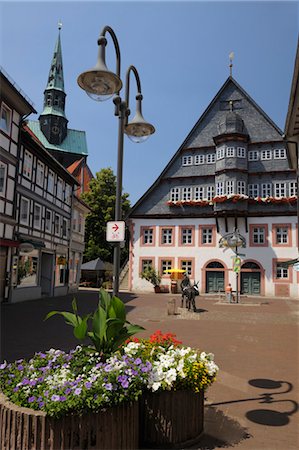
251,283
215,281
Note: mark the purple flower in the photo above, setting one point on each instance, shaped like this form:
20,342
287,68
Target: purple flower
144,369
25,381
125,384
31,399
12,375
2,366
88,384
67,391
62,398
55,398
108,368
78,391
16,389
108,386
9,382
46,393
32,382
41,404
138,361
20,367
40,379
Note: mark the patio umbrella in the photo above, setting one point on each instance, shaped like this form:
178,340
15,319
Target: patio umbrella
175,273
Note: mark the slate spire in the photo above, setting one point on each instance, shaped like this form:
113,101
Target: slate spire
53,121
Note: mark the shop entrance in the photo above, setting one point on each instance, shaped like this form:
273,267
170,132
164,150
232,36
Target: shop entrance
214,277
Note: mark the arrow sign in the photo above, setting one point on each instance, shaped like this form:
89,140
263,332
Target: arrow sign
115,231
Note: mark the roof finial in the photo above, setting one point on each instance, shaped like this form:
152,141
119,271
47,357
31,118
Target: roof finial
59,25
231,57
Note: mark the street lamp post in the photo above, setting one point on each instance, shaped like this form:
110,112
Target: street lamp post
101,84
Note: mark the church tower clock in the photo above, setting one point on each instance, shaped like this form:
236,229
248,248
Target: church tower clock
53,122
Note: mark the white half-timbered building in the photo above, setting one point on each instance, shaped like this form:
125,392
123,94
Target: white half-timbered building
14,107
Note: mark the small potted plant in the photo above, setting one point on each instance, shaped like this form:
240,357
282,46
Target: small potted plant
152,275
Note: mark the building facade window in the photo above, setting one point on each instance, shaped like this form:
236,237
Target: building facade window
187,160
186,193
40,173
199,159
51,182
27,269
27,164
175,194
186,265
266,190
48,223
210,192
258,235
211,157
241,187
198,193
64,228
220,153
281,271
280,189
266,154
166,236
230,152
166,264
280,153
146,264
3,176
292,188
57,225
37,216
230,187
253,190
59,189
241,152
207,235
24,211
253,155
186,236
5,118
147,236
281,234
220,188
68,194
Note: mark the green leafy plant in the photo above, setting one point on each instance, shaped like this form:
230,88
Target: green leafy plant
152,275
109,327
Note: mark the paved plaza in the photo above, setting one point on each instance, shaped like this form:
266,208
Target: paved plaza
252,405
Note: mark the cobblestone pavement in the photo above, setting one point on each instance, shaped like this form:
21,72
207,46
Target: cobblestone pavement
253,403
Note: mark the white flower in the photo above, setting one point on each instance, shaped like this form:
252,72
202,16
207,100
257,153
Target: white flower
132,348
156,386
212,368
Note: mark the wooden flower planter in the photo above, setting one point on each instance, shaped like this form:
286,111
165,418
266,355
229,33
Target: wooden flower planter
171,419
26,429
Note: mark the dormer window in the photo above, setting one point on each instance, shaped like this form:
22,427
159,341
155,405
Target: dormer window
241,152
211,158
280,153
220,153
253,155
230,152
266,154
187,160
199,159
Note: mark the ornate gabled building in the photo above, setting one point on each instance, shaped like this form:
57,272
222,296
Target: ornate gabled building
231,172
66,145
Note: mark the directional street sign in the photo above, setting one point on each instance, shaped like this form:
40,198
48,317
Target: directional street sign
237,264
115,231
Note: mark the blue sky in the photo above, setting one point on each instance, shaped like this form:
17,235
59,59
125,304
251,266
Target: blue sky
180,50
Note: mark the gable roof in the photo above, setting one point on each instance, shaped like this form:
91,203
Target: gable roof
75,141
195,140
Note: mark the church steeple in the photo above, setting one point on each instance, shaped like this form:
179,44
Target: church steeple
53,121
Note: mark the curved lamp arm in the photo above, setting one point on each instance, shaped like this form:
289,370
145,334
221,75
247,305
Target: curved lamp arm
116,46
127,93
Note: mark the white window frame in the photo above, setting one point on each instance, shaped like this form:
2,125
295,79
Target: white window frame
167,236
175,194
187,235
266,190
57,224
207,235
166,264
186,265
59,192
24,220
3,169
282,272
292,188
48,222
241,152
253,190
146,264
280,153
5,122
210,158
241,187
210,192
40,173
199,159
220,188
186,193
220,153
230,152
37,218
266,155
51,181
187,160
281,235
148,236
253,155
198,192
27,164
258,235
230,187
280,189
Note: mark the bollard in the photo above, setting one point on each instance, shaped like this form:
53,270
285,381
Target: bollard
171,307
